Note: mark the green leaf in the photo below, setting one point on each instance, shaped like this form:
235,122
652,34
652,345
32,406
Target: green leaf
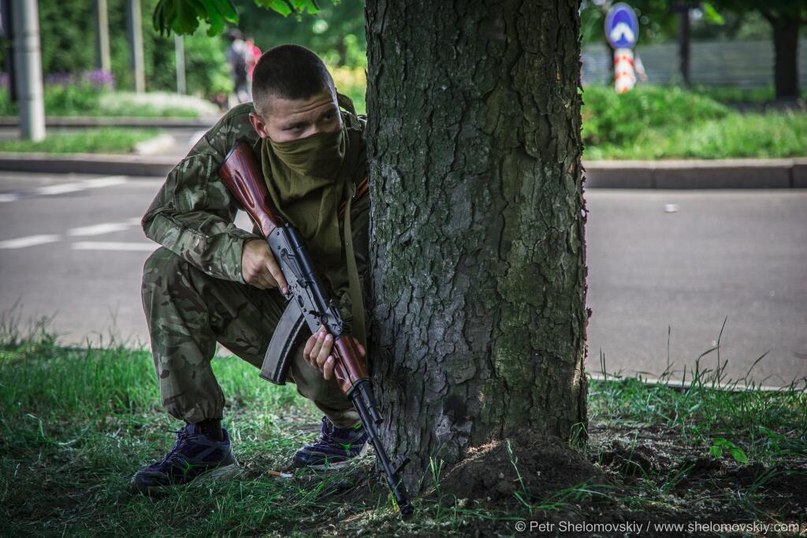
737,453
288,7
278,6
183,16
711,15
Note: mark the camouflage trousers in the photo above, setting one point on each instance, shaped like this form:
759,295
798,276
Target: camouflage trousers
188,312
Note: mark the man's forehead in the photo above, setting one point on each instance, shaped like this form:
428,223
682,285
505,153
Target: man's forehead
280,108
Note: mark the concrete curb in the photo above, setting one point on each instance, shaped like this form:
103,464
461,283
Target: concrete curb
679,174
698,174
128,165
84,122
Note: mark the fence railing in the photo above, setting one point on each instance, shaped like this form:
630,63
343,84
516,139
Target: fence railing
720,63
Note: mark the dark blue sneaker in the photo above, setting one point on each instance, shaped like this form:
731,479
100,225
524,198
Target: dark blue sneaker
334,448
194,457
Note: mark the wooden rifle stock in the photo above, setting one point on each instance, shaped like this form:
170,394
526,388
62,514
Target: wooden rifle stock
241,175
244,179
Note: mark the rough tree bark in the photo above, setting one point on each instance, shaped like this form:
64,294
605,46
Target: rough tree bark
478,218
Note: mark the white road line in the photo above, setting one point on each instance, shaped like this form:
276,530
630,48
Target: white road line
110,245
65,188
99,229
61,188
30,241
110,181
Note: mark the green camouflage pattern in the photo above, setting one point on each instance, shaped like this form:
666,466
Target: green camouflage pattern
193,291
189,312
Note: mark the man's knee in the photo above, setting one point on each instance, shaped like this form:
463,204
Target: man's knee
162,268
166,278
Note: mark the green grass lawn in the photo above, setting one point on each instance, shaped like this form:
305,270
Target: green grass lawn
76,423
655,122
92,140
647,123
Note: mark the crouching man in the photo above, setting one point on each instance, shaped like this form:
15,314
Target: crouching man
213,282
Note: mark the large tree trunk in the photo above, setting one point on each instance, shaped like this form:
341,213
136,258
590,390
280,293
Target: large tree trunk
478,222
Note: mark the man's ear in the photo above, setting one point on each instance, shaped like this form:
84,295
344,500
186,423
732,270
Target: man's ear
258,124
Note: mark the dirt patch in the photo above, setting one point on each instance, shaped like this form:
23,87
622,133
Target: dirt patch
504,474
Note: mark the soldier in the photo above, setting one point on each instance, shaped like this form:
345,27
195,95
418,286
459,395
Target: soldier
213,282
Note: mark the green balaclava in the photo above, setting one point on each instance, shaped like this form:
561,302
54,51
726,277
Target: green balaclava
306,180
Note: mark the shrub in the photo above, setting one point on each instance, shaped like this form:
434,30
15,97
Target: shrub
619,119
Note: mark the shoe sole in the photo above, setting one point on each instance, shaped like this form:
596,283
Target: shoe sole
336,465
225,472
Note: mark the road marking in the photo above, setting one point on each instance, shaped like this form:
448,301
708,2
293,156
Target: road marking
113,245
66,188
110,181
62,188
30,241
100,229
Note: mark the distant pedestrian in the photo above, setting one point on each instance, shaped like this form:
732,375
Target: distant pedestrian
237,57
253,54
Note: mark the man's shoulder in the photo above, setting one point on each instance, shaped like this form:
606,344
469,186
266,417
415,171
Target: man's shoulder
235,121
233,126
354,122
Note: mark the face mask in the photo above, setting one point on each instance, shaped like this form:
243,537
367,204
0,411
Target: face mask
320,155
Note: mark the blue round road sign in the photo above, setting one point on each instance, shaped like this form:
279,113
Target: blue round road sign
621,26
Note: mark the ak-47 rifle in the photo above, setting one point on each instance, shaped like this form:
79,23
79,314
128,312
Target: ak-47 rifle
308,304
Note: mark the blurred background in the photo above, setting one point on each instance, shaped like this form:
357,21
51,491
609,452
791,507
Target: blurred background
673,272
733,70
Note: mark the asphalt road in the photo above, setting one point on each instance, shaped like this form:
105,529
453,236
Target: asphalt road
668,268
660,262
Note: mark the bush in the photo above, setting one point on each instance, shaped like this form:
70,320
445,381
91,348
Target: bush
619,119
353,83
72,100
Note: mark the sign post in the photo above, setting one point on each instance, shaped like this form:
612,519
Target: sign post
622,32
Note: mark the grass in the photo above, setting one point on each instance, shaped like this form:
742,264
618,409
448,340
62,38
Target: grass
76,423
655,122
741,96
647,123
92,140
94,101
753,135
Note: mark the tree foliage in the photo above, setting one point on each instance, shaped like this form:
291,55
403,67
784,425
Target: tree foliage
334,30
183,16
67,34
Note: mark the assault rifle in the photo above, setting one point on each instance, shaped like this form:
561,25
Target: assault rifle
308,305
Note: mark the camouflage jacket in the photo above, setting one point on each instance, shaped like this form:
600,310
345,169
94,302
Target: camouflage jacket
193,213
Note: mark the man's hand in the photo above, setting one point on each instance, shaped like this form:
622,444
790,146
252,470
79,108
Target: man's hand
318,350
259,268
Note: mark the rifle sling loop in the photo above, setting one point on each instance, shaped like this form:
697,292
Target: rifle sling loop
356,296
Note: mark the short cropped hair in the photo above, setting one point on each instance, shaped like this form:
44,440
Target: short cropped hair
290,72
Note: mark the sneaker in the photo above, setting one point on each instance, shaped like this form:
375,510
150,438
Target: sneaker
194,457
334,448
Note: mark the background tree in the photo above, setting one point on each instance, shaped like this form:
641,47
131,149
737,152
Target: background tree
786,18
719,19
335,31
478,222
